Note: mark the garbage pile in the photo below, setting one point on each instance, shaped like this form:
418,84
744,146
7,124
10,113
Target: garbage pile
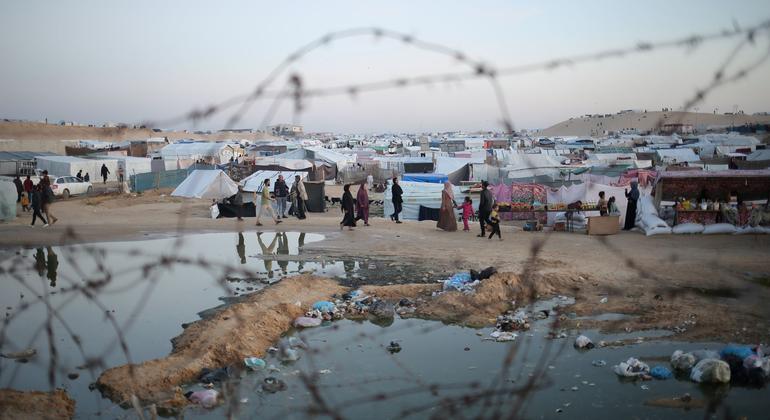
354,303
736,364
207,378
466,282
509,322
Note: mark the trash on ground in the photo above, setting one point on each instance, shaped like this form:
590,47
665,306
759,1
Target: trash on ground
272,385
583,342
208,376
254,363
307,322
206,398
660,372
24,354
599,363
710,371
394,347
632,368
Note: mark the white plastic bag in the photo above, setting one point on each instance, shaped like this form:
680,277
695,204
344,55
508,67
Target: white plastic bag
214,211
710,371
718,228
687,228
631,368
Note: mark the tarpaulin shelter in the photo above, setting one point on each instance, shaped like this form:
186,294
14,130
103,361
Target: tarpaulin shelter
432,178
418,194
208,184
316,192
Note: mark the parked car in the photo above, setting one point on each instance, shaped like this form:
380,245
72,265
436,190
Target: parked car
65,186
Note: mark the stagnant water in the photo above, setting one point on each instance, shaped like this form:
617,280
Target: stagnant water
149,300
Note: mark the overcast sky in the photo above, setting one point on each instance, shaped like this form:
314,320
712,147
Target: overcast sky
130,61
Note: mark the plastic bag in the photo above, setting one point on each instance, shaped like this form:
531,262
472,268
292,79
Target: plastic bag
324,306
660,372
631,368
736,350
307,322
710,371
718,228
208,376
206,398
254,363
214,211
583,342
458,281
682,361
687,228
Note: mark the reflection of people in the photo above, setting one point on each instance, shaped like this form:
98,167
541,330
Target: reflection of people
300,244
283,249
237,201
241,248
52,266
40,261
349,266
446,215
266,252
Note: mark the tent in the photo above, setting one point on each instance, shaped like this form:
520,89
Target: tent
208,184
432,178
418,194
279,164
131,165
8,198
189,152
253,182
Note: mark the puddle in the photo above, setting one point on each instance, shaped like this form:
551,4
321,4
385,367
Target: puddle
355,375
609,316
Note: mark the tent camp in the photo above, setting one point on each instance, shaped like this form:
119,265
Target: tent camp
253,183
186,153
208,184
131,165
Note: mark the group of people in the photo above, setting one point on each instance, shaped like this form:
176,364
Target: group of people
282,195
358,209
609,207
36,198
82,177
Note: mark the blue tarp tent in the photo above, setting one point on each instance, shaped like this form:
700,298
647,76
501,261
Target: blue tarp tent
432,178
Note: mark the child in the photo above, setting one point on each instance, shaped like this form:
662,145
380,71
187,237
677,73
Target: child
467,207
24,202
495,222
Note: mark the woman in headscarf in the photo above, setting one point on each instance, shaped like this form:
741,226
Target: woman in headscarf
632,197
348,208
446,214
362,204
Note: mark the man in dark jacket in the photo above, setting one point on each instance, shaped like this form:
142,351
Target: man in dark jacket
105,172
237,202
28,186
396,192
485,207
37,203
281,191
19,188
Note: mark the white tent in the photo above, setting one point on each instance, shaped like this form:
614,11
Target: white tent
217,152
209,184
253,183
70,165
418,194
132,165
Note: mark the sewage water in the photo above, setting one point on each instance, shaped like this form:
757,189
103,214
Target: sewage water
147,299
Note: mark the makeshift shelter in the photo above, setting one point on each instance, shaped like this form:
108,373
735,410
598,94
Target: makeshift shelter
418,194
207,184
131,165
316,193
281,164
680,155
187,153
71,165
19,163
8,196
432,178
713,185
254,182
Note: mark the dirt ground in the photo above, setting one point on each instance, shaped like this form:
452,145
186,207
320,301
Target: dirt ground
715,286
18,405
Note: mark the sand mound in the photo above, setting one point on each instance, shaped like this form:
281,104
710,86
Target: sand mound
35,405
244,329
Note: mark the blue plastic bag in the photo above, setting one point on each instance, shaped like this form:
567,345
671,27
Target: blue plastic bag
741,352
660,372
457,281
323,306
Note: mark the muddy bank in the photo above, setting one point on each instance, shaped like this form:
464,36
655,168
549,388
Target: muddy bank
35,405
244,329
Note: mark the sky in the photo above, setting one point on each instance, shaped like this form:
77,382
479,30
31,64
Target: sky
145,60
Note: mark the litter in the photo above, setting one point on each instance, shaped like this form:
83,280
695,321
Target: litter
461,282
394,347
483,274
207,398
254,363
583,342
24,354
307,322
503,335
208,376
682,361
644,387
382,309
660,372
324,371
324,306
711,371
603,300
512,321
288,354
739,351
297,343
353,294
273,385
631,368
599,363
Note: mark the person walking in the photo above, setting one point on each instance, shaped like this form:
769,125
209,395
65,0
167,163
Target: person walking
396,193
349,219
28,186
238,203
265,204
633,197
281,192
485,207
446,214
362,204
46,198
300,195
467,208
105,172
494,223
19,188
37,205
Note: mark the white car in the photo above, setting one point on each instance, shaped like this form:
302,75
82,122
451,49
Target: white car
65,186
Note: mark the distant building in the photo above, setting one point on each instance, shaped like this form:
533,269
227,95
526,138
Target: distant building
677,128
289,130
452,145
497,144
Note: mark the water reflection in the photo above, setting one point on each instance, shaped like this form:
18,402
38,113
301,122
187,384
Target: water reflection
241,248
47,266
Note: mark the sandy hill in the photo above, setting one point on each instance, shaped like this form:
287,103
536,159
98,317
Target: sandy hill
40,137
646,121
